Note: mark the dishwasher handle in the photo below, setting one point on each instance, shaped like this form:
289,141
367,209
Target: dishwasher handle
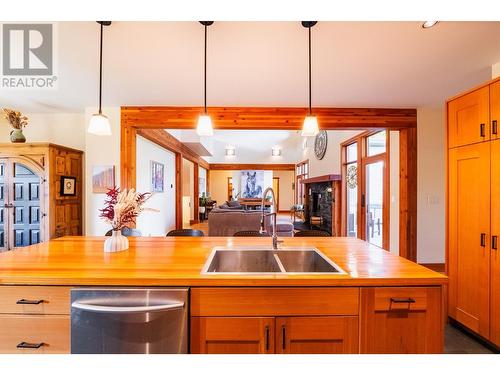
126,309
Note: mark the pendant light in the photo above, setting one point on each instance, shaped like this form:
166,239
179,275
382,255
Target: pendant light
204,127
99,123
310,127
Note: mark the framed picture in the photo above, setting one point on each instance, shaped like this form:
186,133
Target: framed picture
157,177
103,178
68,186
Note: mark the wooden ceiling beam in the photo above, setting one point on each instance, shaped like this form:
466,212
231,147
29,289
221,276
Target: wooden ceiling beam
262,167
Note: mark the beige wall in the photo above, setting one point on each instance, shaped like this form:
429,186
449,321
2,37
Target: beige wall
188,185
495,70
286,193
431,182
218,185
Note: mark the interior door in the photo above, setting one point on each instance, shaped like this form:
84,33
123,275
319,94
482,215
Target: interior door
317,335
468,118
495,238
3,208
469,236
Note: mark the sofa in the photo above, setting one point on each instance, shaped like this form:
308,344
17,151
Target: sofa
226,222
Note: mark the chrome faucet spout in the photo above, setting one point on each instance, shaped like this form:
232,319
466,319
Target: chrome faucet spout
273,213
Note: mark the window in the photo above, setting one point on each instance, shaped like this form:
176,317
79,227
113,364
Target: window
376,143
351,173
302,173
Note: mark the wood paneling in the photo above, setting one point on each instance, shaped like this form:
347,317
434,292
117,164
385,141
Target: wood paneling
232,335
469,118
128,144
178,191
495,110
179,260
34,300
401,327
495,248
317,335
468,221
326,178
261,167
438,267
51,330
276,301
196,193
408,194
291,118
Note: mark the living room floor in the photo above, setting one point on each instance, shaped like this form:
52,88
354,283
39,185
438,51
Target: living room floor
204,226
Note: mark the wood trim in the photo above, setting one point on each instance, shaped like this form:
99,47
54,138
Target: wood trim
178,191
325,178
261,167
438,267
408,194
196,193
285,118
128,157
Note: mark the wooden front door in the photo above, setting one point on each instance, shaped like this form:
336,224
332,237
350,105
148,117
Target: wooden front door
495,243
469,235
317,335
20,214
232,335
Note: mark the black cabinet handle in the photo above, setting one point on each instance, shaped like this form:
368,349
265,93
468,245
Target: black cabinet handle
363,200
283,339
27,345
29,302
481,130
267,338
494,242
483,239
494,127
402,300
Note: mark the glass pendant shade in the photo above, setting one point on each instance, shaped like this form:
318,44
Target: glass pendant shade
310,127
204,127
99,125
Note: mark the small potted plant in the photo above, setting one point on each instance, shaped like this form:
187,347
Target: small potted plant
17,121
121,209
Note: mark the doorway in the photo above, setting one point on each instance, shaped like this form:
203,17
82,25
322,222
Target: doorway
20,199
276,188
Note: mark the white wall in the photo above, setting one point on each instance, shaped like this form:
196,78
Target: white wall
218,185
394,192
100,150
431,185
202,174
66,129
156,223
330,164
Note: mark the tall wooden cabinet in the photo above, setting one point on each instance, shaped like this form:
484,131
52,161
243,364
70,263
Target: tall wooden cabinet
473,217
32,208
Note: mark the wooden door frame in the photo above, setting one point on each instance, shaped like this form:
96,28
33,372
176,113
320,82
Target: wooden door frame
148,121
277,193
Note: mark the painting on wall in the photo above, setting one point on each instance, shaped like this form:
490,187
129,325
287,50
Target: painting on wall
103,178
252,184
157,177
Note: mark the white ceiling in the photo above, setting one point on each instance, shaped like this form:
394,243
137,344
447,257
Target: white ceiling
251,146
355,64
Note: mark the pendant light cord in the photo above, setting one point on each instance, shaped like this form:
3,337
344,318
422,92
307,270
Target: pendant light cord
205,73
310,100
100,74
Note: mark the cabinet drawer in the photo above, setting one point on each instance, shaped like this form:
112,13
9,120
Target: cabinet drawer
274,301
387,299
50,333
34,300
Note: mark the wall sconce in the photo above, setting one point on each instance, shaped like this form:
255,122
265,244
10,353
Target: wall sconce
230,151
276,151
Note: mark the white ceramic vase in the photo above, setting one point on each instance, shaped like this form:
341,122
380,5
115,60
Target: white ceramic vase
117,242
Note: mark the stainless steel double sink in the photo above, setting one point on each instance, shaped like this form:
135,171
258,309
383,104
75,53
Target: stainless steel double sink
254,260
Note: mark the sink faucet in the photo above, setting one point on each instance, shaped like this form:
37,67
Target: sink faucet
274,213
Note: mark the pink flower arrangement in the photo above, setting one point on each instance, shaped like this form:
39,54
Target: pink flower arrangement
121,208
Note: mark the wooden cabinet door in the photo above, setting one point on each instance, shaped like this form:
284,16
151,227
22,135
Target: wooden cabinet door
468,118
469,236
495,110
232,335
317,335
495,245
400,320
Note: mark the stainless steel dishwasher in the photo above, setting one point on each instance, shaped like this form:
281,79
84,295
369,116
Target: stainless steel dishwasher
129,320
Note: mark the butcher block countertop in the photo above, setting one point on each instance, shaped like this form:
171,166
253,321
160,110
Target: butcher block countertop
177,261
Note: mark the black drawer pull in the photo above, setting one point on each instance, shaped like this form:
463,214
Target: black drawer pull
494,128
283,339
27,345
494,242
483,240
267,338
30,301
482,131
402,300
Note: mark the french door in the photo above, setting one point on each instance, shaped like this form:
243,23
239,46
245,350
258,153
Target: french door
20,197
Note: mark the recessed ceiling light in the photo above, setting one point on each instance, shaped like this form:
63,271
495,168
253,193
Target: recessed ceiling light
429,24
230,151
276,151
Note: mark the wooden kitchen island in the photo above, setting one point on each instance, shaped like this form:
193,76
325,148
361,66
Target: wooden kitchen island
384,304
